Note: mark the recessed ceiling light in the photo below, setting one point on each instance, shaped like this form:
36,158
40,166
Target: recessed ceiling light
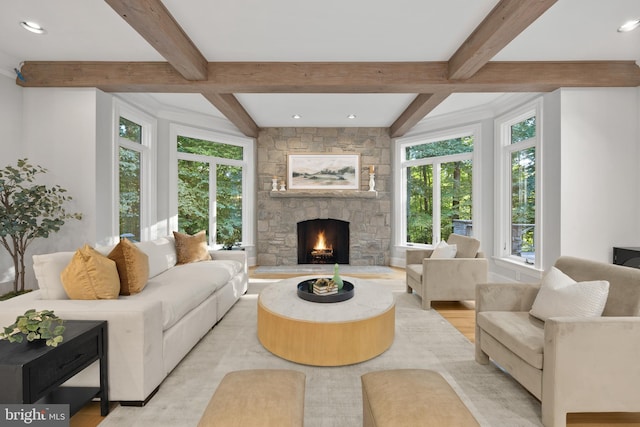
351,116
33,27
296,116
629,25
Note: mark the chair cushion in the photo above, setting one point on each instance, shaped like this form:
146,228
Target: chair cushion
518,331
560,295
467,247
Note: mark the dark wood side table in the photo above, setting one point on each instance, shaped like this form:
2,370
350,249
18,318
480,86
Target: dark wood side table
33,373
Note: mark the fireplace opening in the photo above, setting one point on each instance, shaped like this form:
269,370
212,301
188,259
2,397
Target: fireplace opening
323,241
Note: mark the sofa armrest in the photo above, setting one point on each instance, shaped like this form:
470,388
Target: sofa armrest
415,256
506,296
240,256
135,339
590,365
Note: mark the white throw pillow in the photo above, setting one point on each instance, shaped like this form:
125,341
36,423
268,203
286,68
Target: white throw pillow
444,250
47,269
560,296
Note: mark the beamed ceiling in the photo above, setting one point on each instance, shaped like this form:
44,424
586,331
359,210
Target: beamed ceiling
488,47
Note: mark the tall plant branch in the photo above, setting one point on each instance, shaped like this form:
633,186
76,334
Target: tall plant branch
28,211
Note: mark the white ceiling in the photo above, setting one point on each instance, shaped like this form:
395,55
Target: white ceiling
330,30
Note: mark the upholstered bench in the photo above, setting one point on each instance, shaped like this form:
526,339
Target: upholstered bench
257,398
411,398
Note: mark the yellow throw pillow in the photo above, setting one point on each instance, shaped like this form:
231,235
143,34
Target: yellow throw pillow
90,275
191,248
133,267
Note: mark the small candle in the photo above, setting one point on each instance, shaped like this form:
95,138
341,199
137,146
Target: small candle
372,169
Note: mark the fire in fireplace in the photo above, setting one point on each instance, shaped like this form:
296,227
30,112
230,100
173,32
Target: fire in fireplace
323,241
321,252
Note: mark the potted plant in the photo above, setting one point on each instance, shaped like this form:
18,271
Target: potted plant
35,325
28,211
229,238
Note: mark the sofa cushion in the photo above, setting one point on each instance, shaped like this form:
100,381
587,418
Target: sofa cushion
444,250
161,252
468,247
47,269
90,275
191,248
560,295
518,331
184,287
133,267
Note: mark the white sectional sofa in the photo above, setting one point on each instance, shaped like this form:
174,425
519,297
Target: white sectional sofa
149,332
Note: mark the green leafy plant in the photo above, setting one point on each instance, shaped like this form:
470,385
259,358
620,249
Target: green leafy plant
28,211
35,325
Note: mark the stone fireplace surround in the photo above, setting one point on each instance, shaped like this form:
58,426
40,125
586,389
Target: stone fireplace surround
369,213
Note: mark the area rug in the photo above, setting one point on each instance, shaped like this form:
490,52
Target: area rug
333,398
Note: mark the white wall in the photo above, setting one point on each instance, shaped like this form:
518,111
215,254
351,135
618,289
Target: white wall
551,178
10,121
600,179
59,133
11,149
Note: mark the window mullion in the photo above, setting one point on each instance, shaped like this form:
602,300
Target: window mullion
213,202
437,202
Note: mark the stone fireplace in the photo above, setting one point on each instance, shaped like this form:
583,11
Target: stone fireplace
323,241
368,214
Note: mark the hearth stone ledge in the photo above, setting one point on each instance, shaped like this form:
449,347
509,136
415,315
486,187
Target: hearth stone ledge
337,194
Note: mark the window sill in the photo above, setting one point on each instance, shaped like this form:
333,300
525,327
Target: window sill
519,266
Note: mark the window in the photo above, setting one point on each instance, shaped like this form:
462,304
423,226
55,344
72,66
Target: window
436,188
212,180
519,160
133,164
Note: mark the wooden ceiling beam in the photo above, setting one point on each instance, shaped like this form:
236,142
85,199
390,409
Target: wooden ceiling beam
234,111
422,105
152,20
337,77
503,24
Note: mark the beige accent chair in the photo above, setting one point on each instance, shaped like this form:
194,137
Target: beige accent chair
446,279
569,364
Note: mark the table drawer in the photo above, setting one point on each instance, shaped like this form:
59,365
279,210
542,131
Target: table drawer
63,364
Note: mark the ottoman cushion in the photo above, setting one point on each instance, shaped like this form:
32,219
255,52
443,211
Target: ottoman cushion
259,397
411,397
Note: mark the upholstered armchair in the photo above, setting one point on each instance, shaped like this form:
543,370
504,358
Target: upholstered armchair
446,279
570,363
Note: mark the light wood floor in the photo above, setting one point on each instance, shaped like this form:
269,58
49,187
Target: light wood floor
461,315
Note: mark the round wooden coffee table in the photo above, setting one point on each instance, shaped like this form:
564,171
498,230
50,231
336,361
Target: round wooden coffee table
326,334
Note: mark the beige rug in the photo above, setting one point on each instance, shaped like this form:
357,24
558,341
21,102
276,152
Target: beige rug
333,395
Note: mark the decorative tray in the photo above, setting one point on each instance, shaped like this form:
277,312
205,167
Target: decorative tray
305,291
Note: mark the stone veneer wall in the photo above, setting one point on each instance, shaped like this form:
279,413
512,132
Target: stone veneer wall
369,217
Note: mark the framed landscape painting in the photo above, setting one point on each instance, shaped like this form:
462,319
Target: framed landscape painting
323,171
